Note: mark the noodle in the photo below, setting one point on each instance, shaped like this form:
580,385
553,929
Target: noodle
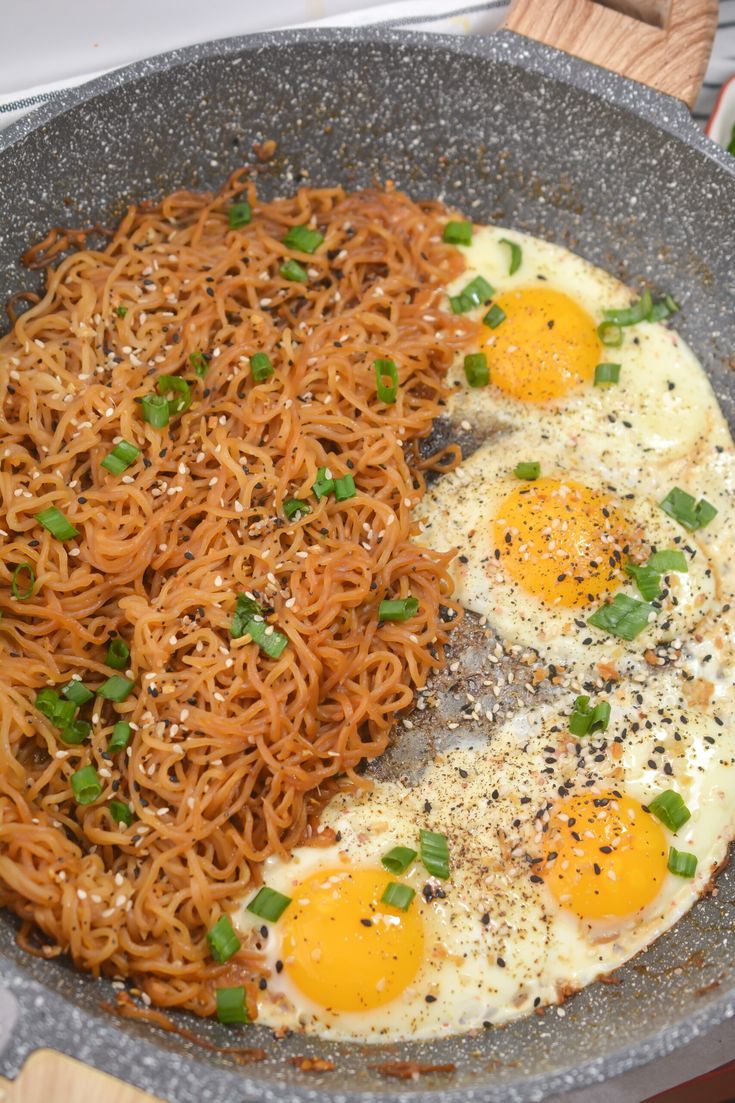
233,753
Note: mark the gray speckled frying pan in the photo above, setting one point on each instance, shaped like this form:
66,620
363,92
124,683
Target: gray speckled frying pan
509,130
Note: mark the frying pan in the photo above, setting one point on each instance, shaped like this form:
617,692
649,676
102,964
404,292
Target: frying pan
508,129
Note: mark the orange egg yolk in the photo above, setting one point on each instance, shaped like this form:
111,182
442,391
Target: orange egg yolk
562,542
546,346
343,948
605,856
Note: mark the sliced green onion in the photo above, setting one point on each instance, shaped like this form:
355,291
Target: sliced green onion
530,470
386,370
624,616
669,807
398,859
607,373
269,904
476,293
47,700
476,371
292,270
682,863
494,316
239,214
248,621
86,785
683,508
115,688
261,367
15,586
76,732
223,942
344,488
118,654
121,812
434,853
646,578
292,506
120,736
516,255
200,363
398,608
77,692
585,720
631,315
668,559
323,485
397,895
610,334
231,1005
154,410
458,233
245,609
120,458
56,523
121,311
174,384
663,308
303,239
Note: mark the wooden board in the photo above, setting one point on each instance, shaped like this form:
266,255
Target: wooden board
49,1077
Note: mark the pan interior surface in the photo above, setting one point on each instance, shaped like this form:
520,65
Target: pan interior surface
503,143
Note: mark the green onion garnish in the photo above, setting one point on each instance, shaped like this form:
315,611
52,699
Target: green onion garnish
60,713
269,904
86,785
663,308
248,621
610,334
292,506
120,812
476,293
585,720
669,807
120,458
231,1005
458,233
646,578
397,895
476,371
683,508
668,559
631,315
681,862
77,692
530,470
386,380
118,654
154,410
120,736
344,488
223,942
607,373
398,609
292,270
303,239
624,616
434,853
398,859
516,255
121,311
261,366
56,523
115,688
76,732
200,363
15,586
239,214
174,384
323,484
494,316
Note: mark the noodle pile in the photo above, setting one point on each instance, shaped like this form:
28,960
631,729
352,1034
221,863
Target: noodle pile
232,753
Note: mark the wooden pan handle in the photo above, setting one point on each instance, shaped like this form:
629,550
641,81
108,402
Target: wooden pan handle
665,44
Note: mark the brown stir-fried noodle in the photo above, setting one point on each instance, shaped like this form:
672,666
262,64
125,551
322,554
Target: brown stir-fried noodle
232,753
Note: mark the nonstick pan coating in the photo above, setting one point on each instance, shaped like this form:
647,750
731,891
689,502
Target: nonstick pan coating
508,131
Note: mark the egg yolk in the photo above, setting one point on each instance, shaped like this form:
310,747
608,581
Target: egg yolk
562,542
546,346
343,948
605,856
